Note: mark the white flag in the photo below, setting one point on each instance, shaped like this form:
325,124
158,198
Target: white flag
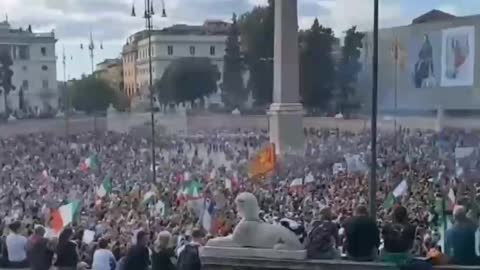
401,189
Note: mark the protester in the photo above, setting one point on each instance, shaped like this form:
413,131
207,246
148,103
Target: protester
138,256
460,238
189,254
39,250
103,258
398,237
362,236
107,181
16,247
67,257
322,241
163,255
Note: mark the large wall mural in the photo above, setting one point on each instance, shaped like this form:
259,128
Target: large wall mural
458,56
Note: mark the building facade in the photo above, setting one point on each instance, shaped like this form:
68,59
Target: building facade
168,44
111,70
427,65
34,70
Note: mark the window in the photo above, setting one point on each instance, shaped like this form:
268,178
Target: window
170,50
45,84
43,50
44,68
192,50
25,85
212,50
23,52
14,52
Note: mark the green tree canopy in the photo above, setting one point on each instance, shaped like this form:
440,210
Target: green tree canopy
257,33
91,94
187,79
317,68
233,90
6,75
348,71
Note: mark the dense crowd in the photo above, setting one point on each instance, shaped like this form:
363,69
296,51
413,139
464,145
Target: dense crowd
328,185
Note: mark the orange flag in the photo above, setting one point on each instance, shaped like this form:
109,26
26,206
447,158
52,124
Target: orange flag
264,163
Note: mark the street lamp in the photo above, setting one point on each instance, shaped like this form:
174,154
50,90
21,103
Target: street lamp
372,187
148,15
91,48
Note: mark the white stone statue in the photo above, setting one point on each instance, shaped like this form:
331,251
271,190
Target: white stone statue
12,118
111,109
251,232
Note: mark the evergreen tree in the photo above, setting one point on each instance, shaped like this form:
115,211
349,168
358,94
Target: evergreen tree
6,75
257,36
187,79
348,71
233,90
90,94
317,69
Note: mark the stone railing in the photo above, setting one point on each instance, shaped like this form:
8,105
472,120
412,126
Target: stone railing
230,263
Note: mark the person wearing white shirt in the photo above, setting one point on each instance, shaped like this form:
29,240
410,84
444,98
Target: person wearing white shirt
16,247
103,258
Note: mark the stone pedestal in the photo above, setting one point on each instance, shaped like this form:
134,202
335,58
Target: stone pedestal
439,123
286,112
223,252
286,128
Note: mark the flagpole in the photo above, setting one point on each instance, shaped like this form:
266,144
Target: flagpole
372,187
395,82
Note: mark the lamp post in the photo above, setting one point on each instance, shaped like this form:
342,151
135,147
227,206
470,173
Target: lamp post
67,96
372,187
91,49
148,16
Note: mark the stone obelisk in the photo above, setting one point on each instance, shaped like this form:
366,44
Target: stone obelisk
286,111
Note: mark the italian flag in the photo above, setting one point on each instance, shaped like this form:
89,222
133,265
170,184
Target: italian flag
105,188
193,191
148,197
399,191
90,163
63,216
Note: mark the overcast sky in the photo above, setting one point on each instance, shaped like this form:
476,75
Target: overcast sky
111,23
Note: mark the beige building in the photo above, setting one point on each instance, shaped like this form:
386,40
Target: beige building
111,70
168,44
129,61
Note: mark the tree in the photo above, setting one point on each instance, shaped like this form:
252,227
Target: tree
233,90
257,35
6,75
187,79
121,101
348,71
91,94
317,69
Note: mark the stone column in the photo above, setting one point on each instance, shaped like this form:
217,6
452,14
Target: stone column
286,112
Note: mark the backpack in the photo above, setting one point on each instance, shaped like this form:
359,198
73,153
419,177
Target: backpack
189,258
320,239
396,233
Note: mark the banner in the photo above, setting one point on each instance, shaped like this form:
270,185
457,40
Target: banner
458,56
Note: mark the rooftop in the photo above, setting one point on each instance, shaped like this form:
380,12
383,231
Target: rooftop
7,30
433,15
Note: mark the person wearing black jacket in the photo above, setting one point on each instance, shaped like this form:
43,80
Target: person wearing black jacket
39,254
67,256
362,236
138,256
163,255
